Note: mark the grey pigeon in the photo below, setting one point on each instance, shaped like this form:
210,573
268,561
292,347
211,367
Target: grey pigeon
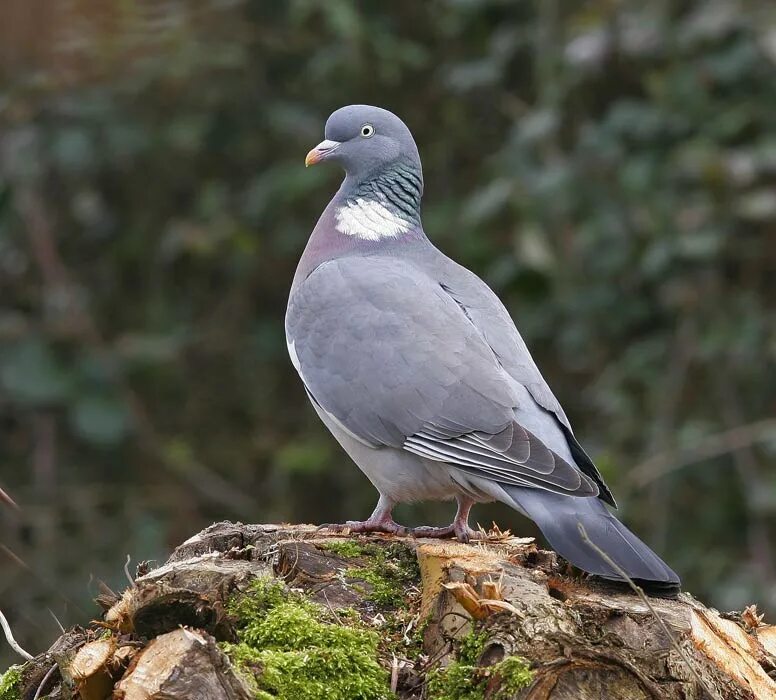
418,371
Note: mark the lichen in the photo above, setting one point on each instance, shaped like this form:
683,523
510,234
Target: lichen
287,649
464,680
10,684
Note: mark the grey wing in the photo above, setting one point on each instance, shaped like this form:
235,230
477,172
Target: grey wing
498,329
392,358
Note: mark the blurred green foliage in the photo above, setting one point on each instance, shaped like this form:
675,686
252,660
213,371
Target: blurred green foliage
609,168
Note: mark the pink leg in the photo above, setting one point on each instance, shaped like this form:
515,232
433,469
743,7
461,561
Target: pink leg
458,528
379,521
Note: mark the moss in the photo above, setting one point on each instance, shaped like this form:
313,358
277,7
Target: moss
408,645
287,650
515,675
471,647
460,681
10,684
344,548
391,570
456,682
464,680
262,595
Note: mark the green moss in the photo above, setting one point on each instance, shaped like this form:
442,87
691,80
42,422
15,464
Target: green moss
460,681
391,570
456,682
10,684
409,645
344,548
515,675
471,647
464,680
287,650
262,595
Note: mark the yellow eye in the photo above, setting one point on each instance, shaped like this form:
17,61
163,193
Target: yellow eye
367,130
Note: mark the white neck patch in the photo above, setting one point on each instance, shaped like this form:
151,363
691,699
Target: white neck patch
369,220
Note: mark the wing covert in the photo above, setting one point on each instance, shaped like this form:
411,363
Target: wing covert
392,357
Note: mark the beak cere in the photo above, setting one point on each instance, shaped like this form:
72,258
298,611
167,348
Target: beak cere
320,152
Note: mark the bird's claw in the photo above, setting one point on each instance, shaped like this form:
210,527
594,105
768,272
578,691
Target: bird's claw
364,526
461,532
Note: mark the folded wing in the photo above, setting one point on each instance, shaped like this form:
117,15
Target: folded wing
393,358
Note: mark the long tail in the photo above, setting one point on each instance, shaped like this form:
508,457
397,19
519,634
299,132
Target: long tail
559,516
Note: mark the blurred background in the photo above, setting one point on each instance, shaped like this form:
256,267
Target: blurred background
609,168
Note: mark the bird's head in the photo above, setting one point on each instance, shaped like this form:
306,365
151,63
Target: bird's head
363,140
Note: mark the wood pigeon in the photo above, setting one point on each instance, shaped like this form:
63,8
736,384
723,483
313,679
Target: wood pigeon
417,369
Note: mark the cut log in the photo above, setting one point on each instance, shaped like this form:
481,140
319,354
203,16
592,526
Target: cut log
500,617
181,664
92,669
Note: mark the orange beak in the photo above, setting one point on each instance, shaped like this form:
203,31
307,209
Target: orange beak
320,152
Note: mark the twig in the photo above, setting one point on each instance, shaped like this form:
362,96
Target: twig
56,619
640,593
44,681
394,674
9,637
15,558
126,571
331,609
414,620
5,498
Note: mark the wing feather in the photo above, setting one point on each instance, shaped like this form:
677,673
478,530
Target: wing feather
416,376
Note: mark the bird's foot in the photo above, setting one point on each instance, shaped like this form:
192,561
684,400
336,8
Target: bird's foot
461,531
387,525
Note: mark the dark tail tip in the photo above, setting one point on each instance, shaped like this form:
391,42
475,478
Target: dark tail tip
654,589
559,517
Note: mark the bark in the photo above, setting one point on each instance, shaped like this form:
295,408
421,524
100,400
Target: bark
582,639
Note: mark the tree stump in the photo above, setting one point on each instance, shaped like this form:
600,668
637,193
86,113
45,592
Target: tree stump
407,618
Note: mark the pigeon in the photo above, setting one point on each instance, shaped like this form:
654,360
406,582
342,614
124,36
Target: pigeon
419,372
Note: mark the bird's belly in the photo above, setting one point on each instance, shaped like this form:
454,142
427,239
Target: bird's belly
401,476
406,478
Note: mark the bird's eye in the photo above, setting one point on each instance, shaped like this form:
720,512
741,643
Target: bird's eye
367,130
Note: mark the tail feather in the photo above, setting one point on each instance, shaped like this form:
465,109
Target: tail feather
559,517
